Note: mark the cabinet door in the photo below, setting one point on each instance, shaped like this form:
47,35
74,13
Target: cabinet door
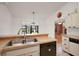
34,53
77,22
22,51
48,49
74,49
0,54
74,19
68,21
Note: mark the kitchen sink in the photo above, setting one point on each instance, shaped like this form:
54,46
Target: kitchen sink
22,41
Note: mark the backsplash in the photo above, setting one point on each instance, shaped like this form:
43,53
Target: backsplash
73,31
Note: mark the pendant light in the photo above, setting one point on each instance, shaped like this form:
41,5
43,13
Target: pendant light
33,17
33,25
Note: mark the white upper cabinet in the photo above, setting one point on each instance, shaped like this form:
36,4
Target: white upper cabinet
71,14
74,20
75,16
77,22
68,21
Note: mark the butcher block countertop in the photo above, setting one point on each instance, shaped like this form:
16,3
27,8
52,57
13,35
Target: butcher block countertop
42,38
20,36
71,36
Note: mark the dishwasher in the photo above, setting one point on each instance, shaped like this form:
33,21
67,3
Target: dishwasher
74,46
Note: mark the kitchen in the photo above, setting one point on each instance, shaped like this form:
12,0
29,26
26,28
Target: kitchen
28,28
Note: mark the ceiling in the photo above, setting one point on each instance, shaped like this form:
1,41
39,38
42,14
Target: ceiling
42,9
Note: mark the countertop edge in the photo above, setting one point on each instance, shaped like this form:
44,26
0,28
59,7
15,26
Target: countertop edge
71,36
20,36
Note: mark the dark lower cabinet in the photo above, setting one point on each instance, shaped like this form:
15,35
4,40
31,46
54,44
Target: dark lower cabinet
48,49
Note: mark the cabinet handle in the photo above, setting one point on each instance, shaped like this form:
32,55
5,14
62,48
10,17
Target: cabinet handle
64,44
49,50
65,39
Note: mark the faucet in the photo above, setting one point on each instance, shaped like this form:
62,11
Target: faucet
19,31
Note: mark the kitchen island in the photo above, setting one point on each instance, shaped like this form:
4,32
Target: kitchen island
4,40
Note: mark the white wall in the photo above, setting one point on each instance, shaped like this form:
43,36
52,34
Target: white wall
17,23
22,12
11,19
9,24
5,20
45,25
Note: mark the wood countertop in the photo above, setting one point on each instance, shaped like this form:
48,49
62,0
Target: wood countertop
71,36
15,47
42,38
5,39
9,36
